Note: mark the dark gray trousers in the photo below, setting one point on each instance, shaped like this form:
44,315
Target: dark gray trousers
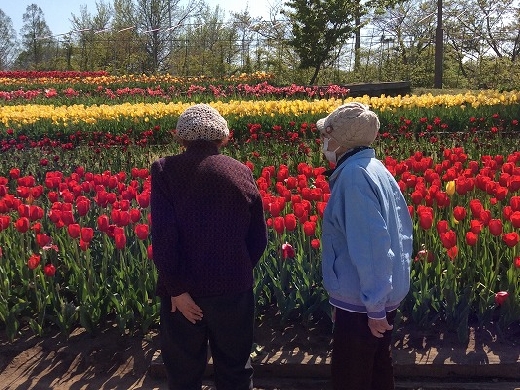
227,324
361,361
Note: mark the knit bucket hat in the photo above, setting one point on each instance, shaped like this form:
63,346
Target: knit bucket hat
351,125
201,122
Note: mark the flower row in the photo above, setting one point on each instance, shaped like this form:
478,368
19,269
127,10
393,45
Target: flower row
466,214
209,92
70,78
20,116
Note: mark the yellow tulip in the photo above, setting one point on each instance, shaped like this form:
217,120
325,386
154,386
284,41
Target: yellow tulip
450,187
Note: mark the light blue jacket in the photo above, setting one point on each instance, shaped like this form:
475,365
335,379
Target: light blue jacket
366,238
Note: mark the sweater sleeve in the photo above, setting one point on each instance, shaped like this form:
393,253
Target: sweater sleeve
165,234
369,244
257,234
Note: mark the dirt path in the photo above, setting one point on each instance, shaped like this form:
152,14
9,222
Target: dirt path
110,360
106,361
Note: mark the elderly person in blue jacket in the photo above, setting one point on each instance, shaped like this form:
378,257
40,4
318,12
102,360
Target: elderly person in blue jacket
208,233
367,247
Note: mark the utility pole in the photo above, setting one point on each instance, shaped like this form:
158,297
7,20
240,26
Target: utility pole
439,47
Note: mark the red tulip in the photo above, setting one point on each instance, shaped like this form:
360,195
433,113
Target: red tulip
501,297
424,255
67,217
5,221
291,182
514,183
23,192
86,234
82,205
143,199
288,251
135,215
120,239
448,239
43,240
83,245
103,223
74,230
22,224
14,173
515,219
315,243
124,218
36,228
35,213
290,222
37,191
320,208
495,227
475,226
476,207
68,197
442,226
279,225
149,252
471,238
507,211
516,262
123,204
425,219
485,217
34,261
510,239
309,228
459,213
141,231
276,207
443,199
417,197
299,209
49,270
452,252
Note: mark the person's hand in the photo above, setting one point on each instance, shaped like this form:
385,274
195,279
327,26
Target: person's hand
185,304
378,327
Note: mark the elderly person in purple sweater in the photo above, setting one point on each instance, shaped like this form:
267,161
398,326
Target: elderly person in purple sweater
208,233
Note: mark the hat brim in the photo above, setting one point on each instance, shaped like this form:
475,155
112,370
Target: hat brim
320,124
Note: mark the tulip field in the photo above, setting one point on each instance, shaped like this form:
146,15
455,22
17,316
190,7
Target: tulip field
76,148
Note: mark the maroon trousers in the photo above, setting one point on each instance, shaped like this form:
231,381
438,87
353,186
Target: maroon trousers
360,361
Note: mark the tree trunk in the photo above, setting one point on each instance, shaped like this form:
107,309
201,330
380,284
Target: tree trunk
357,45
315,75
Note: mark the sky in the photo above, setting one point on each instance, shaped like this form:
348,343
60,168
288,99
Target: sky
57,13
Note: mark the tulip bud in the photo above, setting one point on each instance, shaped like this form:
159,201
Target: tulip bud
288,251
501,297
49,270
450,187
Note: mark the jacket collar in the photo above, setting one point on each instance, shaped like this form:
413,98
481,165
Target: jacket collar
342,159
202,146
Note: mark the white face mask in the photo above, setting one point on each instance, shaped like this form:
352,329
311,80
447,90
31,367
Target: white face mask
329,154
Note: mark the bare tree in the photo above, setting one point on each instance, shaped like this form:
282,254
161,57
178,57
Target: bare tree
92,32
127,50
8,44
37,40
159,21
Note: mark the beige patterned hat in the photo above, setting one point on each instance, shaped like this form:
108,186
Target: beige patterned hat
203,122
351,125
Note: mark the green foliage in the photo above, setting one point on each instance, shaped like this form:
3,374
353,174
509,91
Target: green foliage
319,27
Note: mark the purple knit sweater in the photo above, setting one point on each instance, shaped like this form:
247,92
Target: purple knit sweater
208,225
